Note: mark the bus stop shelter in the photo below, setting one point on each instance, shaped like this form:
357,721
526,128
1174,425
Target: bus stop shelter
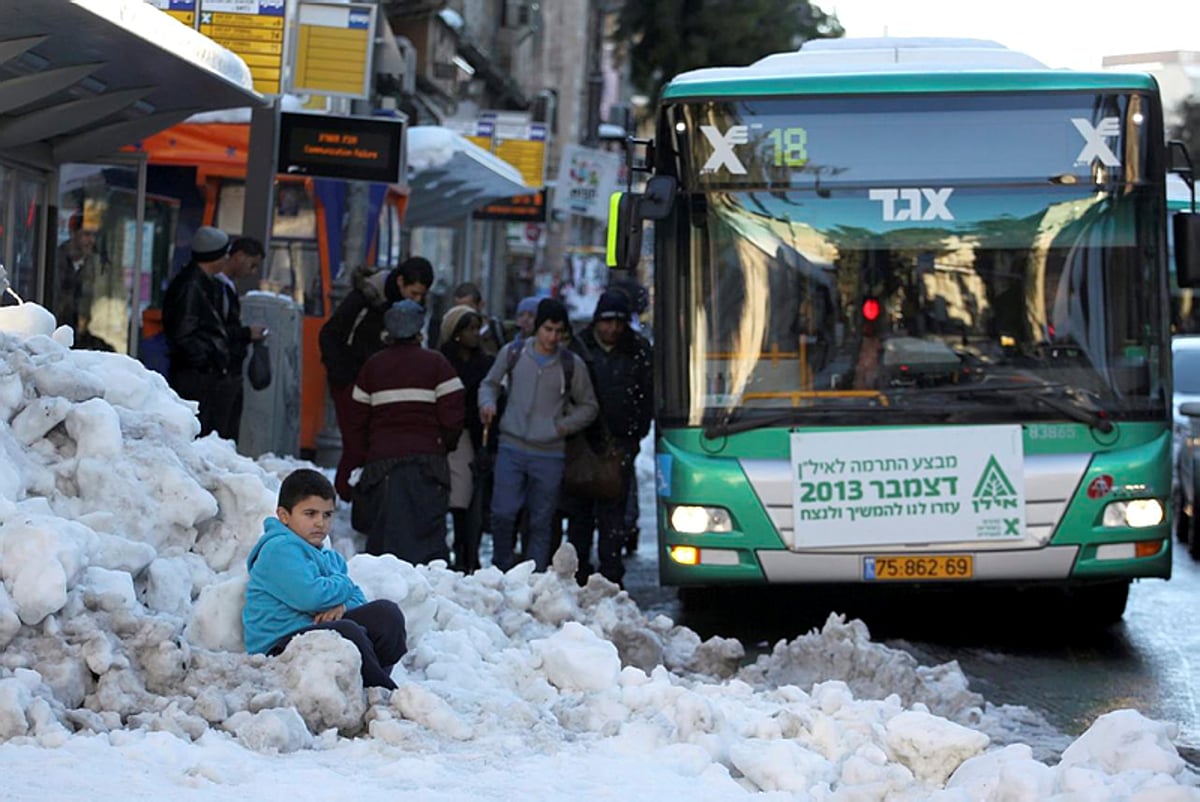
79,79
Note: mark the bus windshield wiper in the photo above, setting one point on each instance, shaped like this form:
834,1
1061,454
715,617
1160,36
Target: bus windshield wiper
1058,397
733,423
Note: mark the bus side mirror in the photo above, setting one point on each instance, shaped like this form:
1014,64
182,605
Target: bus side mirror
627,210
624,231
1187,248
1179,160
1185,225
658,198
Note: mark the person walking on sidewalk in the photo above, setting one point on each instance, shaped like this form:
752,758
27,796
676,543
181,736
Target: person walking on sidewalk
619,361
460,336
405,415
541,410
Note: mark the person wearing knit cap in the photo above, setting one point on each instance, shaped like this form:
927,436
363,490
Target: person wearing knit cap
355,330
619,363
462,344
455,320
209,245
405,416
526,312
543,407
613,305
198,341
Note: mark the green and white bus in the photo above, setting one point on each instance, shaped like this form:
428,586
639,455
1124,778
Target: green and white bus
911,320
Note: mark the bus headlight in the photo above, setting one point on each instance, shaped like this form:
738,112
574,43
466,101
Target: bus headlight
1138,513
700,520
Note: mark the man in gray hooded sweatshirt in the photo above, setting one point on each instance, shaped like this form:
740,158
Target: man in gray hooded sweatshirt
541,410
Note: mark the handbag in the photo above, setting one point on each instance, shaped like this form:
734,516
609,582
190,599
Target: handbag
259,370
591,473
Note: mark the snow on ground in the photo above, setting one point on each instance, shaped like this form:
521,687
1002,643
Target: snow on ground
122,674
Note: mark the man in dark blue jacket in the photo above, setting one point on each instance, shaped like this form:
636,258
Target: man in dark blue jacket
620,363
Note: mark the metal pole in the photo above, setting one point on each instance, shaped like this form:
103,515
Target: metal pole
139,238
462,270
595,79
263,156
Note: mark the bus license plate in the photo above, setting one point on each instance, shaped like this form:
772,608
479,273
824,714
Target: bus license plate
923,568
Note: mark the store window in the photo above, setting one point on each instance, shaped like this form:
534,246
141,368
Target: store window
22,206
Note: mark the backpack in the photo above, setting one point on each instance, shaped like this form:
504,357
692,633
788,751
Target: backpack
513,354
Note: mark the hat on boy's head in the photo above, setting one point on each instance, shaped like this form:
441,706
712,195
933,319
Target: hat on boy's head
613,305
455,320
209,244
552,310
529,304
404,320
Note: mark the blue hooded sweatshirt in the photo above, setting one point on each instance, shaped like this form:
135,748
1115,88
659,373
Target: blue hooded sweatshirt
290,582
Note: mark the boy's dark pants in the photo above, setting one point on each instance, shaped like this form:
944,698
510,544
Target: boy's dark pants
377,630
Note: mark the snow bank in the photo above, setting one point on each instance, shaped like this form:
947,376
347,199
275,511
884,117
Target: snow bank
122,546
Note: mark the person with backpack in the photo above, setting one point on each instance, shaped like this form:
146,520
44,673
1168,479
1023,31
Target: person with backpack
546,401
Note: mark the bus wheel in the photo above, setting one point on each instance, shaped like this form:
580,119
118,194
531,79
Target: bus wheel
1101,604
1183,522
697,600
1193,538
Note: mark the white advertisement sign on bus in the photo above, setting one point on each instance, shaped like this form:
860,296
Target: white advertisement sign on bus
905,486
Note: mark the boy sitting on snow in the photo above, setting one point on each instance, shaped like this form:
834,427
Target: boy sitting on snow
296,585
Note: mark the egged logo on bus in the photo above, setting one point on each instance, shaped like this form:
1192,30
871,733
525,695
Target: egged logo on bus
1093,137
723,155
923,203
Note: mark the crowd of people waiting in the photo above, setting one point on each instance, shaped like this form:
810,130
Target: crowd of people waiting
452,415
456,415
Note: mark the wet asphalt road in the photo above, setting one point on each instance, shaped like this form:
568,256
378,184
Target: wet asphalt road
1011,646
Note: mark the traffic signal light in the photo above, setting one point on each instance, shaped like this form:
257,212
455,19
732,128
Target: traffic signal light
870,316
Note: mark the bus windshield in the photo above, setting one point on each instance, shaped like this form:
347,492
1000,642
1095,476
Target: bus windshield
963,267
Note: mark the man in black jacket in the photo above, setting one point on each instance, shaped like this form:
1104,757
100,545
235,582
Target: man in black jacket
620,363
197,339
245,260
354,332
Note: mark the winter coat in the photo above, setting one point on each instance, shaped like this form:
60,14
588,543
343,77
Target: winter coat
472,373
538,400
193,323
354,332
624,380
290,582
230,306
406,401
